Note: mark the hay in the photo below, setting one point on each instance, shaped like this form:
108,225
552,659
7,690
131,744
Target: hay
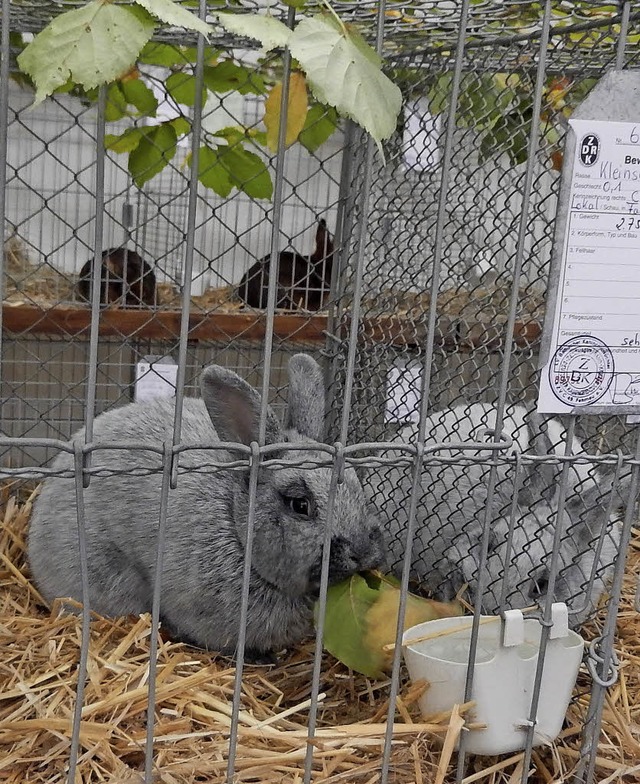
39,654
41,284
28,283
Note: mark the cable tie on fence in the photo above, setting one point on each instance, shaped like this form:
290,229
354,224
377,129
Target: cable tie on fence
594,658
85,449
339,461
255,454
175,457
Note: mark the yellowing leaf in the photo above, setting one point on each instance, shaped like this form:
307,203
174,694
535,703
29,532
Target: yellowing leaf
361,618
297,106
382,618
557,92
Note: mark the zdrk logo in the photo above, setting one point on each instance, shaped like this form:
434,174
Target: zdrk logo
589,149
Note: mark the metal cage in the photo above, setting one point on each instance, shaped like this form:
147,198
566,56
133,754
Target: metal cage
430,328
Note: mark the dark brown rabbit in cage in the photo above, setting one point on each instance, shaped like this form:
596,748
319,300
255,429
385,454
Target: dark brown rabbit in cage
303,282
125,279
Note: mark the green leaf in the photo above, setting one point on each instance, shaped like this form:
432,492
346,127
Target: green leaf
93,45
320,124
67,87
212,173
248,172
233,134
439,94
139,95
298,4
154,151
227,75
181,125
116,104
344,625
510,134
271,33
165,55
126,142
175,15
182,88
342,75
259,136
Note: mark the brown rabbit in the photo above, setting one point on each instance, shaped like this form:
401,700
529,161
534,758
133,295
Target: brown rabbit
303,283
123,272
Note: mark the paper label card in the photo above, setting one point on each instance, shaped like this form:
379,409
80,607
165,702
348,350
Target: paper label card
155,379
593,357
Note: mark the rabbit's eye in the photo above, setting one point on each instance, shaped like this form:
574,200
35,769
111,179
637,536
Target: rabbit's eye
298,505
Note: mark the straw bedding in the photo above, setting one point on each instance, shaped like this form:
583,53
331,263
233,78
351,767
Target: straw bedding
39,652
26,283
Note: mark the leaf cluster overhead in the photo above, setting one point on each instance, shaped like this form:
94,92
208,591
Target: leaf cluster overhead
335,72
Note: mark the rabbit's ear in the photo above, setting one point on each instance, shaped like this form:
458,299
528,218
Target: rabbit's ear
305,411
541,480
234,407
324,243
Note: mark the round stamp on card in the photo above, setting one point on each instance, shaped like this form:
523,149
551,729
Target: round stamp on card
581,370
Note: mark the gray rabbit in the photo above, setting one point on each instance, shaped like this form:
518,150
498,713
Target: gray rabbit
207,518
446,550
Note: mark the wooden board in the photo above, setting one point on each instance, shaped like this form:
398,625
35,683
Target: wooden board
391,330
160,325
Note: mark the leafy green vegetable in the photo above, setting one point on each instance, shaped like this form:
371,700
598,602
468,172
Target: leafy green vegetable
297,107
181,125
345,625
130,92
361,618
166,55
116,104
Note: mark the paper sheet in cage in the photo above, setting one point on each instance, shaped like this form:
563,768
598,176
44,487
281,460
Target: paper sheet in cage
592,356
404,384
155,378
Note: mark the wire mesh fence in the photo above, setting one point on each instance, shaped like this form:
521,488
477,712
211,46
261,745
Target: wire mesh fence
417,282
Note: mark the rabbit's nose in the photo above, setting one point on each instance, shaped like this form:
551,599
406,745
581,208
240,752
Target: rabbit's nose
539,585
355,556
